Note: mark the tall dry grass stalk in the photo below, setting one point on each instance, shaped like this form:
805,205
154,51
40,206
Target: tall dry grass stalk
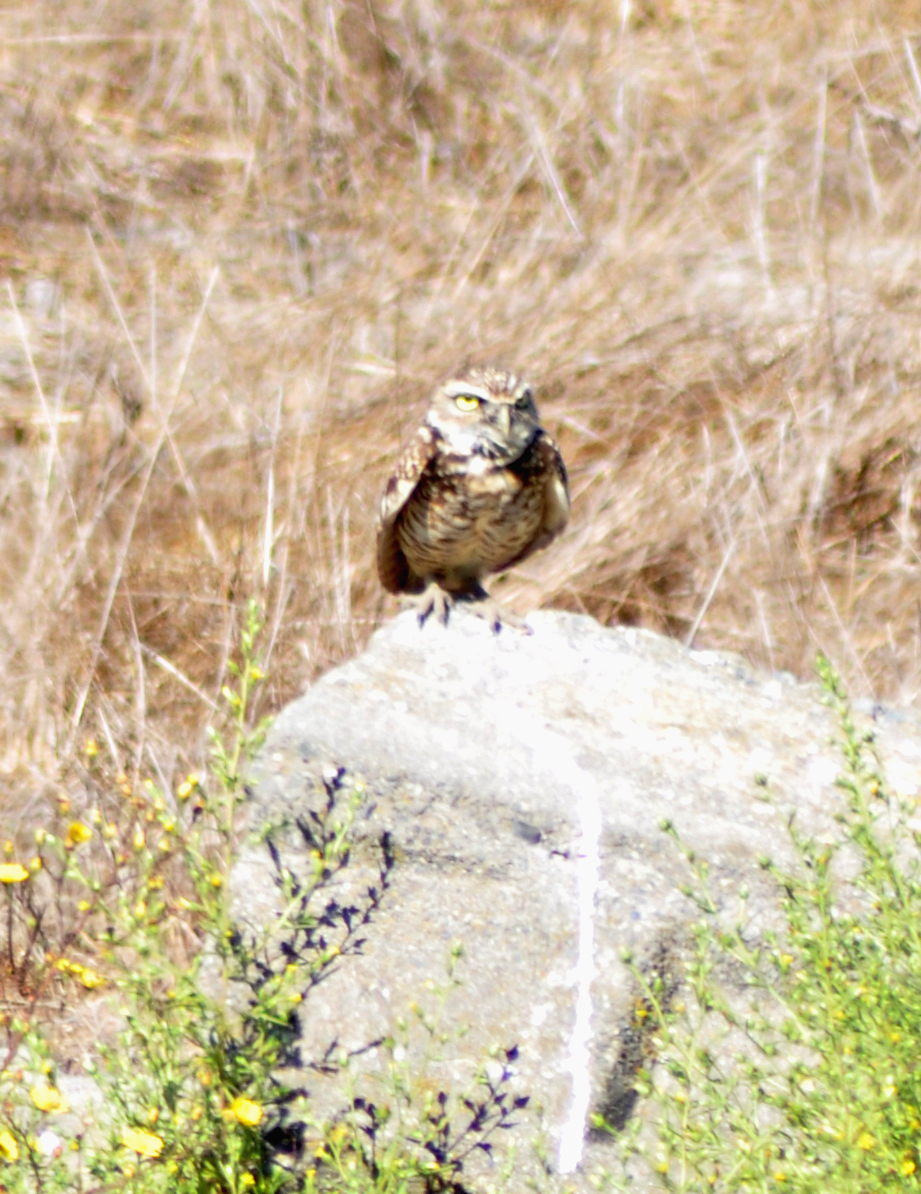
240,241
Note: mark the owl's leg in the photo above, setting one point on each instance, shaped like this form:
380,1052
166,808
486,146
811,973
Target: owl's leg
497,615
479,602
438,601
432,600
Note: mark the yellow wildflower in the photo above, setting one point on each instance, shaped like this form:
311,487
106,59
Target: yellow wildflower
12,872
866,1141
77,834
139,839
144,1143
245,1111
47,1098
8,848
908,1166
187,787
34,864
91,749
140,910
9,1149
90,979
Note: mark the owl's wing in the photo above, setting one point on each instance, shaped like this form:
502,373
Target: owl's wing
547,468
392,568
556,486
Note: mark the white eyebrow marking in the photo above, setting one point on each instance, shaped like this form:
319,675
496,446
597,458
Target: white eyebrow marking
457,389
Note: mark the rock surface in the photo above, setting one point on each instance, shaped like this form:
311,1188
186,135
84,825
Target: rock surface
522,781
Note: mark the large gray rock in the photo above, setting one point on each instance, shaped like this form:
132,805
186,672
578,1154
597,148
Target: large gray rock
522,781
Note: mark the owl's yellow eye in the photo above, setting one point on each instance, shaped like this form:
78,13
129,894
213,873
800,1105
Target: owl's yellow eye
466,402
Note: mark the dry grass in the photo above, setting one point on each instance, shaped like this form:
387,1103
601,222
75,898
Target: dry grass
241,239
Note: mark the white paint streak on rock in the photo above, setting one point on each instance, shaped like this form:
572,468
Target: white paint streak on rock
552,752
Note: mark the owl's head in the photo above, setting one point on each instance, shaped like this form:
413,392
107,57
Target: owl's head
485,412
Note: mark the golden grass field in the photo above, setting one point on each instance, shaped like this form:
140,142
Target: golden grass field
241,240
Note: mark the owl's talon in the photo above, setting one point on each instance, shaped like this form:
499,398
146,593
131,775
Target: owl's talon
432,600
497,615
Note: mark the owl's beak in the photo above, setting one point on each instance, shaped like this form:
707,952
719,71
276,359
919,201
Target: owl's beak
504,419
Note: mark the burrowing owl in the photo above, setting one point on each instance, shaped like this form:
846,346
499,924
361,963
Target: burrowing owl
479,488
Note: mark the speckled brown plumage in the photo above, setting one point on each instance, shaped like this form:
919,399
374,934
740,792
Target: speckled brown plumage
479,488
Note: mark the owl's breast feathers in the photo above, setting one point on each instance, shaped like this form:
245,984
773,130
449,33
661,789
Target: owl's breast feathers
454,518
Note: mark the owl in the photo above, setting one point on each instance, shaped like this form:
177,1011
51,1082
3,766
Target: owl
479,488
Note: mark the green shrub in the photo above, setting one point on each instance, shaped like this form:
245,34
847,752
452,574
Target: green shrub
808,1080
135,906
